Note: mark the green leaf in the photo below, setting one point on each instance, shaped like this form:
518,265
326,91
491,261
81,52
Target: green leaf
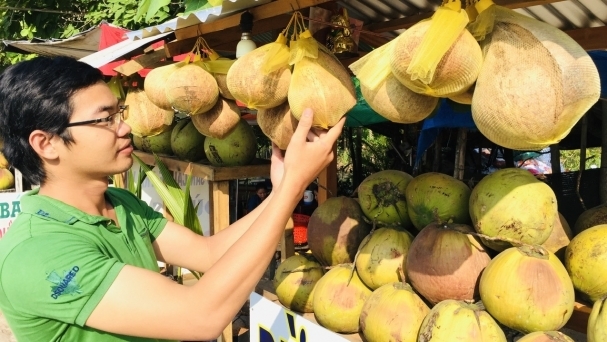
142,9
169,181
195,5
154,7
190,219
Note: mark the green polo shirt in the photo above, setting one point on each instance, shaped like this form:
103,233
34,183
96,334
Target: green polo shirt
57,262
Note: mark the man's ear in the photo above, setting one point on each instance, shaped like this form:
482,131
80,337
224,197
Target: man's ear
43,143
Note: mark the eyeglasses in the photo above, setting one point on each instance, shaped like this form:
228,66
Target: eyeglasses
113,120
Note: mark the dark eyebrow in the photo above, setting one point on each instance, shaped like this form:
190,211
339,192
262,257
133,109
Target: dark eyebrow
102,109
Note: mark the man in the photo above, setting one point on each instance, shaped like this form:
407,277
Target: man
261,191
79,263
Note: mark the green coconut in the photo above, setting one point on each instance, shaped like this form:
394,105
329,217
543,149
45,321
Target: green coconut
382,197
137,142
338,301
237,149
186,142
393,312
590,218
295,280
586,262
335,230
159,144
511,203
436,196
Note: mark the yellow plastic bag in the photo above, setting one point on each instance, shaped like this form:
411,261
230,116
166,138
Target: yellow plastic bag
483,25
278,55
373,68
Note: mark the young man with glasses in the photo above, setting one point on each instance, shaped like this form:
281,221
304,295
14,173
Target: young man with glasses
80,261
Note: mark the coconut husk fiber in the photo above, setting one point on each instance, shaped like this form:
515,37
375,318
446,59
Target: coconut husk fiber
222,84
144,117
191,89
155,85
535,84
278,124
220,121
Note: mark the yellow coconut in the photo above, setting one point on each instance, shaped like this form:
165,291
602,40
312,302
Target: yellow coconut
191,89
586,261
155,85
7,180
3,162
278,124
144,117
455,72
250,85
597,322
546,336
295,280
219,121
325,86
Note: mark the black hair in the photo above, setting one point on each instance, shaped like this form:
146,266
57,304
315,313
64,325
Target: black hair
36,95
261,185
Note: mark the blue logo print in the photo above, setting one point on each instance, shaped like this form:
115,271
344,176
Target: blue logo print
64,285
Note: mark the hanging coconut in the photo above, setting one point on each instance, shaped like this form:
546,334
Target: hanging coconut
511,203
324,85
453,320
436,196
559,238
237,149
445,263
393,312
278,124
219,121
295,280
160,143
586,262
222,84
597,322
527,289
335,230
256,89
454,74
155,85
191,89
382,255
526,60
465,97
382,197
339,299
144,117
186,142
546,336
590,218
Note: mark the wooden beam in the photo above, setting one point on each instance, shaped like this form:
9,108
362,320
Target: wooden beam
591,38
267,11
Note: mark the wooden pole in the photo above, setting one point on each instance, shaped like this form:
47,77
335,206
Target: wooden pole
583,143
438,147
460,153
555,158
603,175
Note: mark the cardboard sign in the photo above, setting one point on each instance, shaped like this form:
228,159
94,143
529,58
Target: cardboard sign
10,207
270,322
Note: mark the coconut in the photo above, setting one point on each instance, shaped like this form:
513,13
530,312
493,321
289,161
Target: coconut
527,289
7,179
546,336
455,72
236,149
222,84
512,203
324,85
144,117
137,142
453,320
393,312
382,255
444,263
250,85
382,197
295,280
436,196
278,124
155,85
559,238
220,121
590,218
465,97
586,262
186,142
159,143
191,89
597,322
335,230
3,162
339,297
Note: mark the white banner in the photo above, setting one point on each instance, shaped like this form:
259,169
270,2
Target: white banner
10,207
270,322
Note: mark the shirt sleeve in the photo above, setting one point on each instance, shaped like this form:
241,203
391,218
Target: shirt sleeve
61,277
153,221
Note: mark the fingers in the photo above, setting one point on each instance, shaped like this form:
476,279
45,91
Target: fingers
334,132
304,125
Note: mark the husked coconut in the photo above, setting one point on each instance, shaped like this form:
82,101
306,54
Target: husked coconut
278,124
218,122
222,84
191,89
155,85
456,71
324,85
144,117
465,97
535,84
250,85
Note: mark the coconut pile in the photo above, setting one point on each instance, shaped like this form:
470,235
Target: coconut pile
427,258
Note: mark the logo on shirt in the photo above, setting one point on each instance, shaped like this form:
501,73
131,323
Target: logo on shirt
64,285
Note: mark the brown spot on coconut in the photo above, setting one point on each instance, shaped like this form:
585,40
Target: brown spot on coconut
250,85
222,84
325,86
191,89
397,103
278,124
559,238
382,197
456,71
335,230
155,85
144,117
220,121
